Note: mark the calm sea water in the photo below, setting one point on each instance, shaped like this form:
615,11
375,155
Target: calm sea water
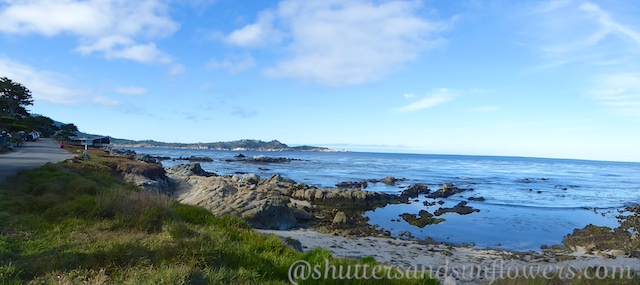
561,195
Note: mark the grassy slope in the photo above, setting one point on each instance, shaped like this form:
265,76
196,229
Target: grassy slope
78,223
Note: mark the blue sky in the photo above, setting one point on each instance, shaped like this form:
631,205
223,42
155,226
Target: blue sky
523,78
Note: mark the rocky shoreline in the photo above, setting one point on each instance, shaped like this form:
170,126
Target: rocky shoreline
278,203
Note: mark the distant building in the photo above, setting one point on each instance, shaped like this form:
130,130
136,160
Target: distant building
93,141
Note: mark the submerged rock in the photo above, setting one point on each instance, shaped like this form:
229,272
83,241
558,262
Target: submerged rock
353,184
605,239
423,219
461,209
447,190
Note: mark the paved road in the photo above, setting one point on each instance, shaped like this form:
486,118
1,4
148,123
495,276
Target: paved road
31,155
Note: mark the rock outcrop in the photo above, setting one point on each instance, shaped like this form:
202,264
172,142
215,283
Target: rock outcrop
447,190
194,158
259,201
461,209
267,203
414,190
143,171
389,180
423,219
356,198
353,184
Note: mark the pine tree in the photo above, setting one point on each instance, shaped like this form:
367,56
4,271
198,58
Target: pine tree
14,98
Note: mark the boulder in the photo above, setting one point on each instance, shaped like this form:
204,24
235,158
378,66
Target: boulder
293,243
414,190
302,215
191,169
272,215
340,218
390,180
250,178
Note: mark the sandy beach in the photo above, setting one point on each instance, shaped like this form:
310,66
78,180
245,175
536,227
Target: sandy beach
460,264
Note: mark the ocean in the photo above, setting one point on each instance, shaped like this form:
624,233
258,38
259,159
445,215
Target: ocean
529,202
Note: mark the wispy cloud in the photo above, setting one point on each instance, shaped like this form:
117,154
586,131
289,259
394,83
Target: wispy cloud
435,98
176,69
46,86
116,29
569,32
243,113
131,90
338,43
100,100
233,64
619,92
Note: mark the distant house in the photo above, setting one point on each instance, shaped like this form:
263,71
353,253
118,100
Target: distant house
93,141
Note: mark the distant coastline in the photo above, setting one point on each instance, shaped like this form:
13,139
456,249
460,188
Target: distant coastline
238,145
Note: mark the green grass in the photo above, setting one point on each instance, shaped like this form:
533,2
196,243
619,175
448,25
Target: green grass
80,224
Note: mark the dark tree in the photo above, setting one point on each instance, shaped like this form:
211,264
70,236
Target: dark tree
14,98
45,125
69,128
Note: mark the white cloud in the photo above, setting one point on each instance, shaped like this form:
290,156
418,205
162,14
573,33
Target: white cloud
408,95
233,64
111,27
45,86
619,92
339,43
258,34
105,101
437,97
135,91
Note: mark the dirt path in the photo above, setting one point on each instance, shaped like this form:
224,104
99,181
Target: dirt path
31,155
